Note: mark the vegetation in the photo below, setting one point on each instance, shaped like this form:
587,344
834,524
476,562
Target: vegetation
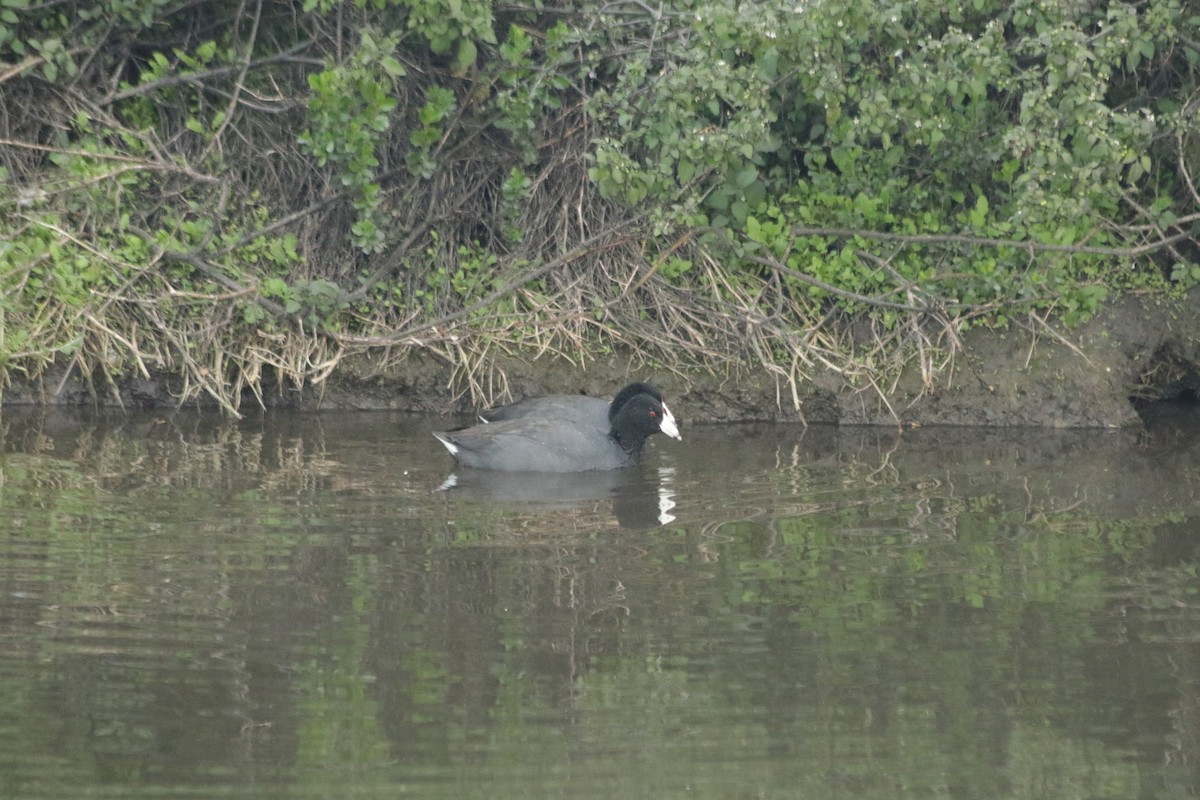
241,194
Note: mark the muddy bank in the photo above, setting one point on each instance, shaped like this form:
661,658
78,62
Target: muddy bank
1137,348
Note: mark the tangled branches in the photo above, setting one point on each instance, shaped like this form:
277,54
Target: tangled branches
242,195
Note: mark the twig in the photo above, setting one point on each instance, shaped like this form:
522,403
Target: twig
201,75
984,241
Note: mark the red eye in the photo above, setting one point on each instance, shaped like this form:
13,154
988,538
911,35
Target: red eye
653,414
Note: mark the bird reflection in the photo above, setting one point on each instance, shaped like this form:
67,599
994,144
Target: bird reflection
641,497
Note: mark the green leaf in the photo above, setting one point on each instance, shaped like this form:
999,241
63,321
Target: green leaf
392,66
466,56
685,170
745,176
274,287
754,230
980,212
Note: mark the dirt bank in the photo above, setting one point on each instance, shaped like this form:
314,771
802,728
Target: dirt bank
1135,348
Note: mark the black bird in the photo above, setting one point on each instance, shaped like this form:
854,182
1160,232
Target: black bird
564,433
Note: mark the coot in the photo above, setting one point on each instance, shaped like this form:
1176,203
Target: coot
575,407
562,433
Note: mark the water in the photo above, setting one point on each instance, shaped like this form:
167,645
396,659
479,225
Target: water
289,607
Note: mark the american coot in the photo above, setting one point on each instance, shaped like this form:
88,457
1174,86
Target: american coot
574,407
564,433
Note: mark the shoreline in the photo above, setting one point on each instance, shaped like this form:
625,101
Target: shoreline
1087,377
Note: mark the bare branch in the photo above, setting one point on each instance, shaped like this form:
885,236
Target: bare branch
984,241
200,76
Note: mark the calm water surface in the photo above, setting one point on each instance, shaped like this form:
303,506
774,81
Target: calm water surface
289,606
